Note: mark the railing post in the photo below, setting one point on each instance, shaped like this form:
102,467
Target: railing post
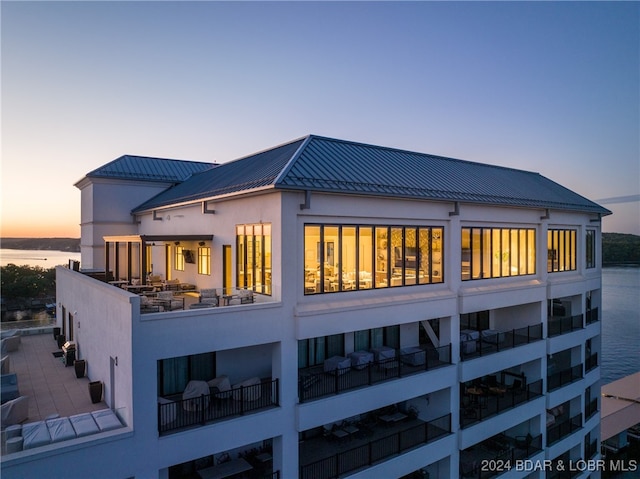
336,384
369,367
241,400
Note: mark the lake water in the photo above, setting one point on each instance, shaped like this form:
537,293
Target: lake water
620,322
620,309
44,259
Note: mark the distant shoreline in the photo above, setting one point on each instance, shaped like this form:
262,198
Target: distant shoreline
44,244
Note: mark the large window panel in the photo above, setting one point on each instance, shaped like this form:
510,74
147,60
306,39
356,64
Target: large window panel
382,257
410,257
497,252
561,250
253,257
348,262
365,257
424,255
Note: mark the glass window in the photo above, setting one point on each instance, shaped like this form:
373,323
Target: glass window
497,252
175,373
382,255
590,249
410,256
204,260
348,262
561,250
254,257
179,258
266,232
401,256
312,259
149,259
424,255
365,257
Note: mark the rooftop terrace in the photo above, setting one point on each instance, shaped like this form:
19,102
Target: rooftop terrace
51,387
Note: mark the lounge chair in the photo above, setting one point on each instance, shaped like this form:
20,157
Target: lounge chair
15,411
210,296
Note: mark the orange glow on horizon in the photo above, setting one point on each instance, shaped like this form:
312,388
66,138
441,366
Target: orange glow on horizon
39,229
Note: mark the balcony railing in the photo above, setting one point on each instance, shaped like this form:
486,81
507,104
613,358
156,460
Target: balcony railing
506,451
370,452
557,326
562,429
313,384
494,342
590,408
494,401
592,316
591,362
566,376
176,414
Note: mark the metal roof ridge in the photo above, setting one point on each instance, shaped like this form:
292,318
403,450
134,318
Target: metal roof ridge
293,158
264,150
410,152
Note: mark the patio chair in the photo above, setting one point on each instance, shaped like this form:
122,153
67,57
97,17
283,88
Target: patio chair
169,301
246,296
15,411
155,280
210,296
172,285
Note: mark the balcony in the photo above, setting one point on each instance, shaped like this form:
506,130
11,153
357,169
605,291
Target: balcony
314,383
564,377
591,362
592,316
176,413
500,448
482,402
590,408
333,456
590,449
563,325
560,429
482,343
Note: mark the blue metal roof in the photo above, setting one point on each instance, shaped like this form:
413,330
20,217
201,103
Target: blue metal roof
316,163
149,169
254,171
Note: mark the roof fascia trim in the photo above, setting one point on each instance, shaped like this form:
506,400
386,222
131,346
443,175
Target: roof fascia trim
197,201
445,200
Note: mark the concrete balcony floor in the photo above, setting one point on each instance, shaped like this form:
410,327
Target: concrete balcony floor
51,387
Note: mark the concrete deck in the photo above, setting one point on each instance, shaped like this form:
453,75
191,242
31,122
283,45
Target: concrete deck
620,405
52,388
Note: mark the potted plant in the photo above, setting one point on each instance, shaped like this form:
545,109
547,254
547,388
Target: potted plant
81,367
95,391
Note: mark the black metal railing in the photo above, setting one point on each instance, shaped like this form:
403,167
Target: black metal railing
490,403
562,429
590,408
377,450
494,342
562,325
316,384
592,315
182,413
591,362
566,376
515,449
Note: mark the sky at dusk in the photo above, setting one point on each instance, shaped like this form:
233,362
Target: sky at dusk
551,87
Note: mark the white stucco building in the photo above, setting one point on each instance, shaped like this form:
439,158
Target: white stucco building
377,313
